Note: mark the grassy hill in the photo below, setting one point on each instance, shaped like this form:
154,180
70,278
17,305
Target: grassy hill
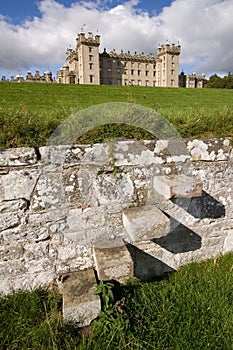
29,112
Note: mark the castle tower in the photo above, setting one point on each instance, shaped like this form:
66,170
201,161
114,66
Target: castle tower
48,76
168,64
88,59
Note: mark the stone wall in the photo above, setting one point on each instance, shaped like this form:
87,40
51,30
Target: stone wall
169,202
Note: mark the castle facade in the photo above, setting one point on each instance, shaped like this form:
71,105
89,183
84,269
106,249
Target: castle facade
86,65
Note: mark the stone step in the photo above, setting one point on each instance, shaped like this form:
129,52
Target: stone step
146,222
113,261
177,186
80,305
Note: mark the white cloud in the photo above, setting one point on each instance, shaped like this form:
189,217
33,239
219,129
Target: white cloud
203,27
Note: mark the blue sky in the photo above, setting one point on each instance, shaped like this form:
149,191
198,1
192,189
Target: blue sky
17,11
34,34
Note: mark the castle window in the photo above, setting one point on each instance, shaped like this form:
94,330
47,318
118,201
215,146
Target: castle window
163,65
132,72
91,78
172,72
172,82
164,58
90,57
132,82
132,64
173,64
172,58
154,73
147,65
91,65
154,66
139,82
139,65
125,71
90,49
164,72
109,70
147,72
125,81
147,82
139,72
154,83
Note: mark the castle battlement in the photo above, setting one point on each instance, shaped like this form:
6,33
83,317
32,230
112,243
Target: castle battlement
129,57
170,49
90,40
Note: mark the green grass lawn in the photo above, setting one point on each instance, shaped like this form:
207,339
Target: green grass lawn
29,112
190,309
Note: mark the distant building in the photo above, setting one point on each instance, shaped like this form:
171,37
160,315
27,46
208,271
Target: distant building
192,80
46,77
85,65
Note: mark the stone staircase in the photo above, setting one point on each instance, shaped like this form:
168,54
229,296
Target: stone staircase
115,260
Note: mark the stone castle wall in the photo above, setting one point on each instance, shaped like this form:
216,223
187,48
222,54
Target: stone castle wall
170,202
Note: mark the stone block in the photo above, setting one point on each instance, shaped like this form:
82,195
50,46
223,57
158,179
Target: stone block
11,252
8,220
18,184
80,305
13,205
209,149
18,156
113,261
48,192
143,223
54,154
109,188
177,186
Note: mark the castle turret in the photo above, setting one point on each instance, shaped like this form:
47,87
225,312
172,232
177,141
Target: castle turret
29,76
48,76
88,58
168,56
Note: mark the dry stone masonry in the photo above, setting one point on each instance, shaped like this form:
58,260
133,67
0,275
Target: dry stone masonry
126,208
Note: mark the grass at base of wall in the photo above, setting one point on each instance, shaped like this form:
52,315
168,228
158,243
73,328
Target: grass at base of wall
190,309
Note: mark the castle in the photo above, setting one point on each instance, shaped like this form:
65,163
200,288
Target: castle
86,65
